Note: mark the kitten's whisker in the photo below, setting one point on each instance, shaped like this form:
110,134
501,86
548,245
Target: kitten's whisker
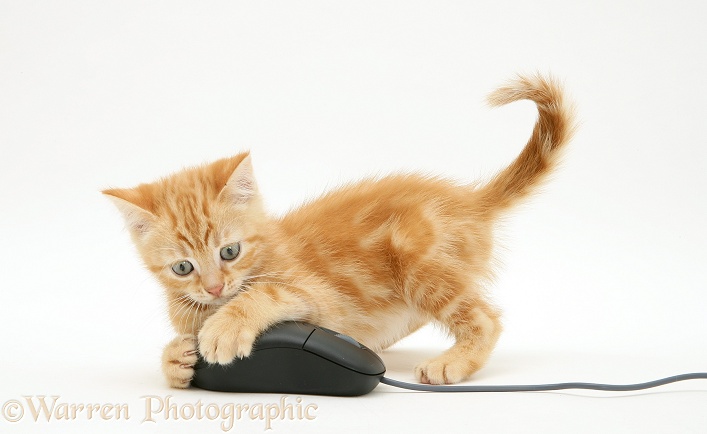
264,282
188,314
268,296
179,299
194,318
253,298
280,274
183,310
263,293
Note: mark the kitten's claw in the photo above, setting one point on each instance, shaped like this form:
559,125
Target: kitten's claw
223,338
178,359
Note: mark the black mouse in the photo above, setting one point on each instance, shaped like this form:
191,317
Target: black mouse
297,358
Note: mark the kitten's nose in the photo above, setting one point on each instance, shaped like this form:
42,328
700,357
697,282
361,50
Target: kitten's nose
215,290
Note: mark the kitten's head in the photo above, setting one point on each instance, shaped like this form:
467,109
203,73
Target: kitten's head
198,230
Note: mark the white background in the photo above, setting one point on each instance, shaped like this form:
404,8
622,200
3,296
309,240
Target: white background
602,275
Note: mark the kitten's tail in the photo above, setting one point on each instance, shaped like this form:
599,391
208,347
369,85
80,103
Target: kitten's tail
553,129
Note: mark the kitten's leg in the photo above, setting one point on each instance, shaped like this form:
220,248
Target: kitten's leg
231,331
178,359
476,328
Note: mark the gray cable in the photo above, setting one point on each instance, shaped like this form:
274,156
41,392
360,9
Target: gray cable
545,387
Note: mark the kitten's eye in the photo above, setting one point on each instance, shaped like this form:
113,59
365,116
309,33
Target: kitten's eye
231,252
182,268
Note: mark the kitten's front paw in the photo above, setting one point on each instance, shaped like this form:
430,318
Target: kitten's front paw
224,337
178,359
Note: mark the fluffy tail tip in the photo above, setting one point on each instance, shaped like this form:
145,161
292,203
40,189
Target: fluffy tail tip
541,89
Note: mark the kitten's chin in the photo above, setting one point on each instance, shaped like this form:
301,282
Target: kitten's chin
219,302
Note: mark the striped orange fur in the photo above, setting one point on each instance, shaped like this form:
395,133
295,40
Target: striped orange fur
375,260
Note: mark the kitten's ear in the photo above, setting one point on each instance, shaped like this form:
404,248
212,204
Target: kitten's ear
138,219
240,187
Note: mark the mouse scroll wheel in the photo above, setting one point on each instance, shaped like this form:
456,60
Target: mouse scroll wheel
348,339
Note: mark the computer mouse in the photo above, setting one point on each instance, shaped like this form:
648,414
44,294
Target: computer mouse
297,358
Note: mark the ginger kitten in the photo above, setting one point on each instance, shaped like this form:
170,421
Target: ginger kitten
375,260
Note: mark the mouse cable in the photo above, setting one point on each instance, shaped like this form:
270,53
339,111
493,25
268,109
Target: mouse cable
545,387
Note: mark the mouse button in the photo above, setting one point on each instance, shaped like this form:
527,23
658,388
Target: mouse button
348,338
326,330
288,334
344,353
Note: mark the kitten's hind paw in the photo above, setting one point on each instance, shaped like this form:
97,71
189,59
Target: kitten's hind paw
445,369
178,359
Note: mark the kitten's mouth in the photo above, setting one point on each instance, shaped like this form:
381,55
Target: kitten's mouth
220,301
